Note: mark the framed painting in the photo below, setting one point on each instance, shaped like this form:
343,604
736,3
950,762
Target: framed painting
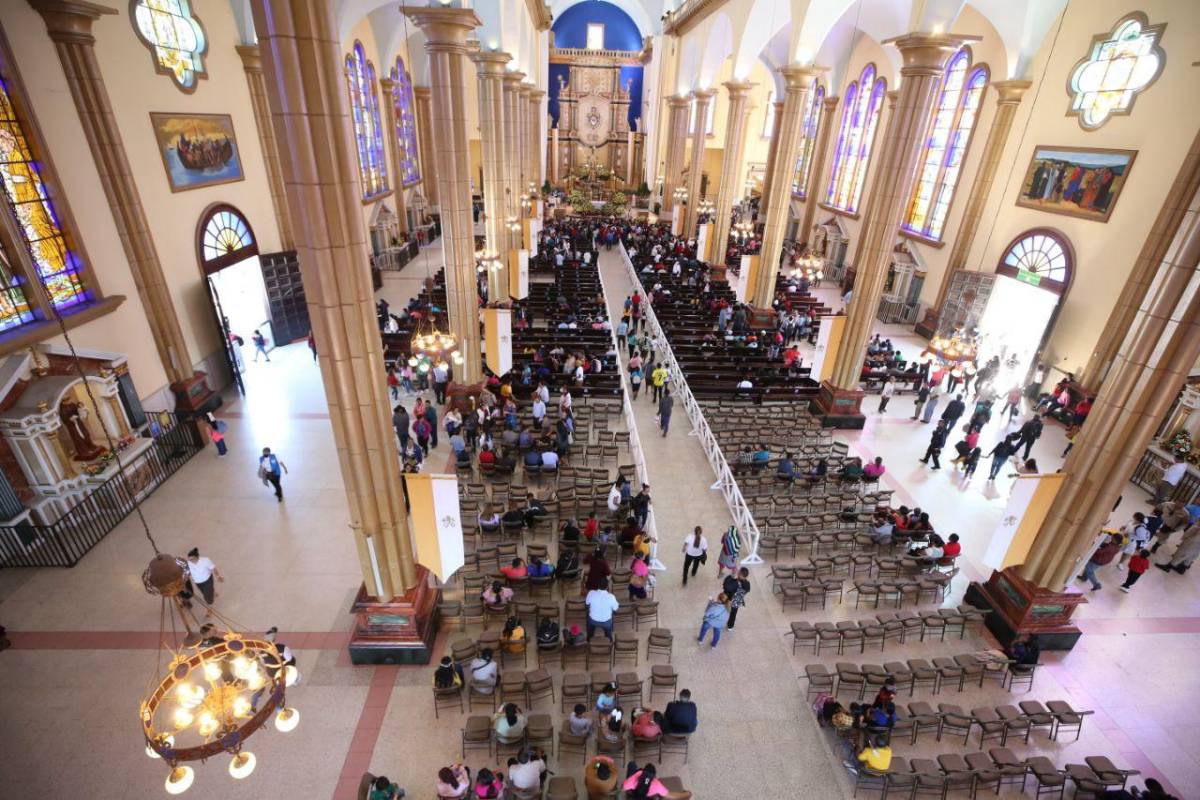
1076,181
197,150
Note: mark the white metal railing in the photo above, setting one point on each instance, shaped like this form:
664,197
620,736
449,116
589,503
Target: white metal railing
726,482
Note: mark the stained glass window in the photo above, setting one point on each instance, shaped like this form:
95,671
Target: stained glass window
1121,63
953,121
58,267
769,117
368,132
406,125
860,119
176,40
1041,253
226,237
812,120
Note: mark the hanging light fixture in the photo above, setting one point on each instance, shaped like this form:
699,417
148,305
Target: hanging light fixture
958,350
743,231
809,266
681,194
706,207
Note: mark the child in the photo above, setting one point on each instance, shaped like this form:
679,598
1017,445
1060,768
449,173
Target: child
972,461
1138,564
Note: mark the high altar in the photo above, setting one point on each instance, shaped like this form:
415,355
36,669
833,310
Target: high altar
593,144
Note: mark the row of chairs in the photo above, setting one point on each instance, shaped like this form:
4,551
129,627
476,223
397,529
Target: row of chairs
992,722
820,591
897,625
625,646
942,672
852,564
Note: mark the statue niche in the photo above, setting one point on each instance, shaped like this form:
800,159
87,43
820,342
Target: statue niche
74,419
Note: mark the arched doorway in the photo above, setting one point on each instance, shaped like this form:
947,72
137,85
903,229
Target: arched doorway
1031,279
228,253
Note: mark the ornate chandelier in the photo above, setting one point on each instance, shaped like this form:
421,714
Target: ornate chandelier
486,262
681,194
809,266
743,231
958,350
706,207
219,688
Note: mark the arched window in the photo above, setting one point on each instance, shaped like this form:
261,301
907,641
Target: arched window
406,125
368,132
225,238
769,116
953,123
1040,256
860,118
175,39
812,119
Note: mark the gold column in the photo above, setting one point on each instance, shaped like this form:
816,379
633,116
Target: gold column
1185,185
730,184
446,30
512,151
388,89
677,129
703,98
523,134
820,149
1009,97
252,65
799,83
490,66
772,149
536,139
925,58
69,23
429,178
312,124
1151,366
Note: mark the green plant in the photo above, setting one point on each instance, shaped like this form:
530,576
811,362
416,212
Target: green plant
546,189
620,199
642,190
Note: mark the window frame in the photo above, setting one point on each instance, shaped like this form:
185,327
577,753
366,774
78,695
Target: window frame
402,83
199,56
211,266
801,179
1074,94
1049,284
870,124
365,89
587,40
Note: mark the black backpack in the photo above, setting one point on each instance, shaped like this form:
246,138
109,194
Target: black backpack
547,633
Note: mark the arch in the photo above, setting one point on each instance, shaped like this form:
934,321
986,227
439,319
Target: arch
223,237
406,125
633,9
718,46
856,137
621,32
770,17
1044,252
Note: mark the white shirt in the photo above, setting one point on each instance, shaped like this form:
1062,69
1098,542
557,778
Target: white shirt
539,408
201,569
527,776
690,549
1174,473
614,499
601,605
889,389
745,384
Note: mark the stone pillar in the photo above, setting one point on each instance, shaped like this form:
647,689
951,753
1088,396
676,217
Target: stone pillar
1009,97
512,152
523,136
429,175
703,98
820,150
925,57
730,185
537,141
554,156
491,129
1185,185
252,64
677,129
69,24
446,30
312,123
772,149
388,89
786,141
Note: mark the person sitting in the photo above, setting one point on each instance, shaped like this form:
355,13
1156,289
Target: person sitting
928,552
516,570
453,781
852,470
640,567
875,756
1024,652
644,783
818,472
680,715
951,550
488,785
629,531
448,675
882,528
514,518
533,459
539,569
496,595
549,460
567,567
483,672
762,455
592,526
611,727
645,725
489,520
786,469
874,471
607,699
600,777
509,724
526,774
579,723
384,789
512,638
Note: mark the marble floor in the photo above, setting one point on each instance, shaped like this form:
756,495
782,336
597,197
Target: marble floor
84,639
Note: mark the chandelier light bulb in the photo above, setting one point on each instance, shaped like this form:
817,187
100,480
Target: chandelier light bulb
212,670
287,720
241,707
182,718
242,765
208,724
180,780
290,675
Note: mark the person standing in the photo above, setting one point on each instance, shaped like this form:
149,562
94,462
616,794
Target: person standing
421,430
1000,454
954,409
1137,567
1103,556
1185,553
695,553
203,571
400,423
886,392
601,603
665,404
1171,477
731,544
260,346
271,469
441,378
937,440
312,345
736,588
640,504
432,418
1138,535
658,380
716,617
1029,433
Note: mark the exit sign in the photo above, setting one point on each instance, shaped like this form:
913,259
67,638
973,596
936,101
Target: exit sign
1032,278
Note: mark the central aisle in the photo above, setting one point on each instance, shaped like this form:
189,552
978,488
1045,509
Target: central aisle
756,732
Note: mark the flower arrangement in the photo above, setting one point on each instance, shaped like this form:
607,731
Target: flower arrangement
99,464
1180,444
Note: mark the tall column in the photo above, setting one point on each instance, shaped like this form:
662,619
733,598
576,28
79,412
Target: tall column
446,30
677,130
312,123
704,97
512,151
523,142
537,141
1151,366
252,65
730,184
69,24
388,89
772,149
1009,94
429,176
491,129
820,149
798,82
1185,185
925,58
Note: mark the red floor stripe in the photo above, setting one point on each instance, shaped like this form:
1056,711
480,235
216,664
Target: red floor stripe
149,640
366,733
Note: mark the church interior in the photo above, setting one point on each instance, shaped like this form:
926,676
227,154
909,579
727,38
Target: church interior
341,343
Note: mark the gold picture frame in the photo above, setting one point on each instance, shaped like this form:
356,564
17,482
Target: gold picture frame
197,150
1083,182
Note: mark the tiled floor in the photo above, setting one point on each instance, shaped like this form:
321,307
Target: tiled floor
83,638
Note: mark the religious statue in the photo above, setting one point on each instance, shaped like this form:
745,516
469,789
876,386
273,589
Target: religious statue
73,416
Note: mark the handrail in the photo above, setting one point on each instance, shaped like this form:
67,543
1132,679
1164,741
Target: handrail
726,482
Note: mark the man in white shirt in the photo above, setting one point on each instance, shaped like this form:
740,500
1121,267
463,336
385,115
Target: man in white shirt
539,411
202,571
441,377
1171,477
483,672
886,392
601,604
549,459
526,774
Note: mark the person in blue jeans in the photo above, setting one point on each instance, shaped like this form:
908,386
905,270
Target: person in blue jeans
716,617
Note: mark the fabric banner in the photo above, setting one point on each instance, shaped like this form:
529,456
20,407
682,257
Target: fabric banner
497,339
436,520
1023,516
704,242
518,274
744,287
676,220
829,341
535,228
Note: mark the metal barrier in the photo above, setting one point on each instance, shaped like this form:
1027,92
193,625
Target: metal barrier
742,518
67,540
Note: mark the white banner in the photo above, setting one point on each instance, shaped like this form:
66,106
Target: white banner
497,339
739,288
702,237
535,228
436,519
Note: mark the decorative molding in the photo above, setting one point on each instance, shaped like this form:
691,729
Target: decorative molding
581,56
689,15
539,12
